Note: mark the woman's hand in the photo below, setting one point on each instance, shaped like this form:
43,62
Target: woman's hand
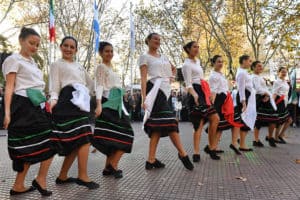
98,110
244,106
53,103
6,121
196,99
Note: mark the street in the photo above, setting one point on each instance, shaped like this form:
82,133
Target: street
265,173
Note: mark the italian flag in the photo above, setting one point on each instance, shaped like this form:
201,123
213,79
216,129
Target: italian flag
51,22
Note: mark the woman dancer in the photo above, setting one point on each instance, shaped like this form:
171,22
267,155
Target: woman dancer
159,121
223,103
113,133
70,106
266,107
200,106
29,128
280,92
246,103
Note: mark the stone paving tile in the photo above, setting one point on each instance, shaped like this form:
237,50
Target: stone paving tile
271,173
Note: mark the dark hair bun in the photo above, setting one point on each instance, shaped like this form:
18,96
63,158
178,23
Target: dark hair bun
25,32
187,47
69,38
214,59
149,37
102,45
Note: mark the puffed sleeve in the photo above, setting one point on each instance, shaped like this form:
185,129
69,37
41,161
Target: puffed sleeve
100,82
276,88
54,81
187,75
241,84
10,65
213,84
89,82
256,85
143,60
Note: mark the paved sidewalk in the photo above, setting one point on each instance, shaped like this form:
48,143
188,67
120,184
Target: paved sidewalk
271,173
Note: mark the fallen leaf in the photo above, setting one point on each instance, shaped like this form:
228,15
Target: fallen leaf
297,161
200,184
241,178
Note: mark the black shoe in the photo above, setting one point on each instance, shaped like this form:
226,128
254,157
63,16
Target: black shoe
196,158
116,173
186,162
43,192
156,164
272,142
267,138
278,141
258,144
91,185
246,150
68,180
219,151
213,155
282,140
206,149
236,151
107,172
30,189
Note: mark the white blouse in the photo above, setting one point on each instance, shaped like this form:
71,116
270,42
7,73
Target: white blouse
192,72
106,79
259,84
281,87
158,67
63,73
244,82
28,75
218,83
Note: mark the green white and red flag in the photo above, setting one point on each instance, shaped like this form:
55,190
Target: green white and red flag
51,21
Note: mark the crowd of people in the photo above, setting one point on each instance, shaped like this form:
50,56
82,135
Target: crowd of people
63,126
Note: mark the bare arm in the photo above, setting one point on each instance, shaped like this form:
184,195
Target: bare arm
9,90
143,70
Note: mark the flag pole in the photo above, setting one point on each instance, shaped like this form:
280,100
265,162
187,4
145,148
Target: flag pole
131,48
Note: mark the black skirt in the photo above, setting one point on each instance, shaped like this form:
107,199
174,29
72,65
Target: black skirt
282,111
29,133
162,118
266,114
72,127
239,107
224,124
203,111
112,132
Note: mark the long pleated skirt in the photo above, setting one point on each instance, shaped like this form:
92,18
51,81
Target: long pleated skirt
266,114
162,118
112,132
72,127
224,124
201,112
282,111
29,133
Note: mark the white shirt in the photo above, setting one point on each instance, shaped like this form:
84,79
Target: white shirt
192,72
63,73
28,75
281,87
158,67
244,82
218,83
106,79
259,84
